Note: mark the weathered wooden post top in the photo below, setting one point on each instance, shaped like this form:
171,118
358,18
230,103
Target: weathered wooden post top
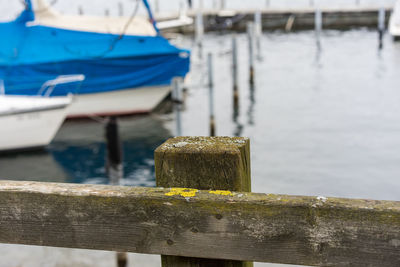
204,163
216,163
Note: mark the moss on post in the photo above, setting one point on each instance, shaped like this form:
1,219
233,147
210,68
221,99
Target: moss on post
217,163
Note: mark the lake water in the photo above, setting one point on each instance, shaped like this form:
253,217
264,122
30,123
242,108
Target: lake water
321,122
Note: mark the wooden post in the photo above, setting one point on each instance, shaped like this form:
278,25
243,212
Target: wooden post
199,32
222,163
250,36
211,93
381,26
114,152
258,32
318,26
177,100
235,74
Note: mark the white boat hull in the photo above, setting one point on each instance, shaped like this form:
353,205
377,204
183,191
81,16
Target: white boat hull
30,129
394,21
121,102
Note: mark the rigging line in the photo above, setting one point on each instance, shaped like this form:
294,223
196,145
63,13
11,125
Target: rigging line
125,28
38,11
117,39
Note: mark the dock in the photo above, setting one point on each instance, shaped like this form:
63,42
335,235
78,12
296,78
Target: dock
277,19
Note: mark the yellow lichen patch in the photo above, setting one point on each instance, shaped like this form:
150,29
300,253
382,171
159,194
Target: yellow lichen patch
221,192
184,192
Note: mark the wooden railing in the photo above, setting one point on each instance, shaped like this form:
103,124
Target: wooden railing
213,226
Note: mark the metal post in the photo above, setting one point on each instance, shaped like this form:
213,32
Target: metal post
211,93
176,96
157,6
107,12
120,9
250,36
80,10
2,88
222,4
235,73
199,32
318,26
381,26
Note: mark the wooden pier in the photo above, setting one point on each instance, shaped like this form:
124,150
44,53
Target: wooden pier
209,223
278,19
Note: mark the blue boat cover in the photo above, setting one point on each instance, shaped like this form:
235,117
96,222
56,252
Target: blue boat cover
33,54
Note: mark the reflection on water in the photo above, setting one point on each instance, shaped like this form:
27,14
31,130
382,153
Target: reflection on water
77,154
322,121
34,166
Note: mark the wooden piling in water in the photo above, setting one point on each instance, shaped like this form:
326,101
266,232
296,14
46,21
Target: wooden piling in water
318,26
114,167
199,32
177,102
381,26
258,32
211,93
250,37
235,73
222,163
114,152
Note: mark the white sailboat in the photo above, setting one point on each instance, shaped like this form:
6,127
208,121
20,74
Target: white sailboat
394,22
128,65
28,122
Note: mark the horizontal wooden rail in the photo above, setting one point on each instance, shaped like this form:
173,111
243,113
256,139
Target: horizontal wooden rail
210,224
